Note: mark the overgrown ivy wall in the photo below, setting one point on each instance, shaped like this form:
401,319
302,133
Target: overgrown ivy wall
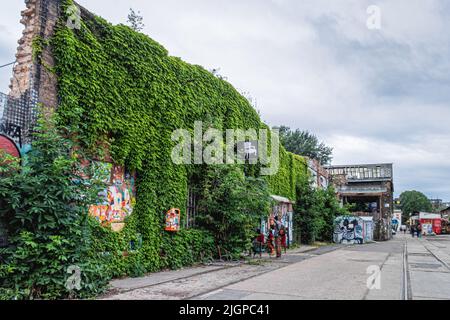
292,169
120,91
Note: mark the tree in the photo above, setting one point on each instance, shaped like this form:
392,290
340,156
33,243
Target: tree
8,164
231,206
306,144
135,20
306,216
316,210
414,201
331,208
43,208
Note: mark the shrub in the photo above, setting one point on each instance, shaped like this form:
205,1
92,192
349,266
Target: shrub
44,208
231,207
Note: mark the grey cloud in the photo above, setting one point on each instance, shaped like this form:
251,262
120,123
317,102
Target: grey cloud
314,65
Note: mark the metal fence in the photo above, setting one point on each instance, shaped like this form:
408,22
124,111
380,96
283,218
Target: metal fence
18,116
361,189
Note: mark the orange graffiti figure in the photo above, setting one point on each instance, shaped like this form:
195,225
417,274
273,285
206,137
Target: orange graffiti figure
100,212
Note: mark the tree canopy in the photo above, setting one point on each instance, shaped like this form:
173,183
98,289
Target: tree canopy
306,144
135,20
414,201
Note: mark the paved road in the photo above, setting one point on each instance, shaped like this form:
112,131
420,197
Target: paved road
429,267
408,268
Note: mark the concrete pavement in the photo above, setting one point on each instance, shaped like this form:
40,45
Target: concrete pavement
428,266
338,275
190,282
408,268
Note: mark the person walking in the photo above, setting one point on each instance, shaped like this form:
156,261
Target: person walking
277,235
412,229
270,239
419,230
283,232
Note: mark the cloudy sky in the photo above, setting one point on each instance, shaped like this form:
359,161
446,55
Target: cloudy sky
375,95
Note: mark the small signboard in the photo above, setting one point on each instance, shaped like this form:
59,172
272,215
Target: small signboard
173,220
248,151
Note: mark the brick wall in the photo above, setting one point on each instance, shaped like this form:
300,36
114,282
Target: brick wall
20,82
39,19
32,82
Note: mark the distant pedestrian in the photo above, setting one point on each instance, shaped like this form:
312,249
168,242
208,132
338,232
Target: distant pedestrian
404,229
412,229
419,230
283,237
278,234
270,239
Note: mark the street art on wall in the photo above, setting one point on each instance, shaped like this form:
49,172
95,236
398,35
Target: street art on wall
9,146
284,212
118,196
348,229
101,171
173,220
367,228
427,228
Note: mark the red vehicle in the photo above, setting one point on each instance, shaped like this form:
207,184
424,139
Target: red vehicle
430,219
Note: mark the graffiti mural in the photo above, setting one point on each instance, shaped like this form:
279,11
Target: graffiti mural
348,229
367,228
9,146
284,211
118,197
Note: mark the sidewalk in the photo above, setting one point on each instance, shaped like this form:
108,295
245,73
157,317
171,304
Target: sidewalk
429,267
192,281
330,272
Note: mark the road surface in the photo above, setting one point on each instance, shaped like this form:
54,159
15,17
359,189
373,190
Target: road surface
403,268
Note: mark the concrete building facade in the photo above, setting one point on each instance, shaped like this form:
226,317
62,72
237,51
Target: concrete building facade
369,189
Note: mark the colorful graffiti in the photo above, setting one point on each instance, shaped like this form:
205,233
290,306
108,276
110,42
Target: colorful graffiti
348,229
118,197
173,220
9,146
367,229
284,211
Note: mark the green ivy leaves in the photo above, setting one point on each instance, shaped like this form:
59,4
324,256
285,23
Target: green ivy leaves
120,89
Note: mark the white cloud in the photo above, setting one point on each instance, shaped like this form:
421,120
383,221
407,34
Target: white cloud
422,164
373,95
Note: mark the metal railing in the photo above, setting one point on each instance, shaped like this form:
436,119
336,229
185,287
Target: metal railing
368,172
361,189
